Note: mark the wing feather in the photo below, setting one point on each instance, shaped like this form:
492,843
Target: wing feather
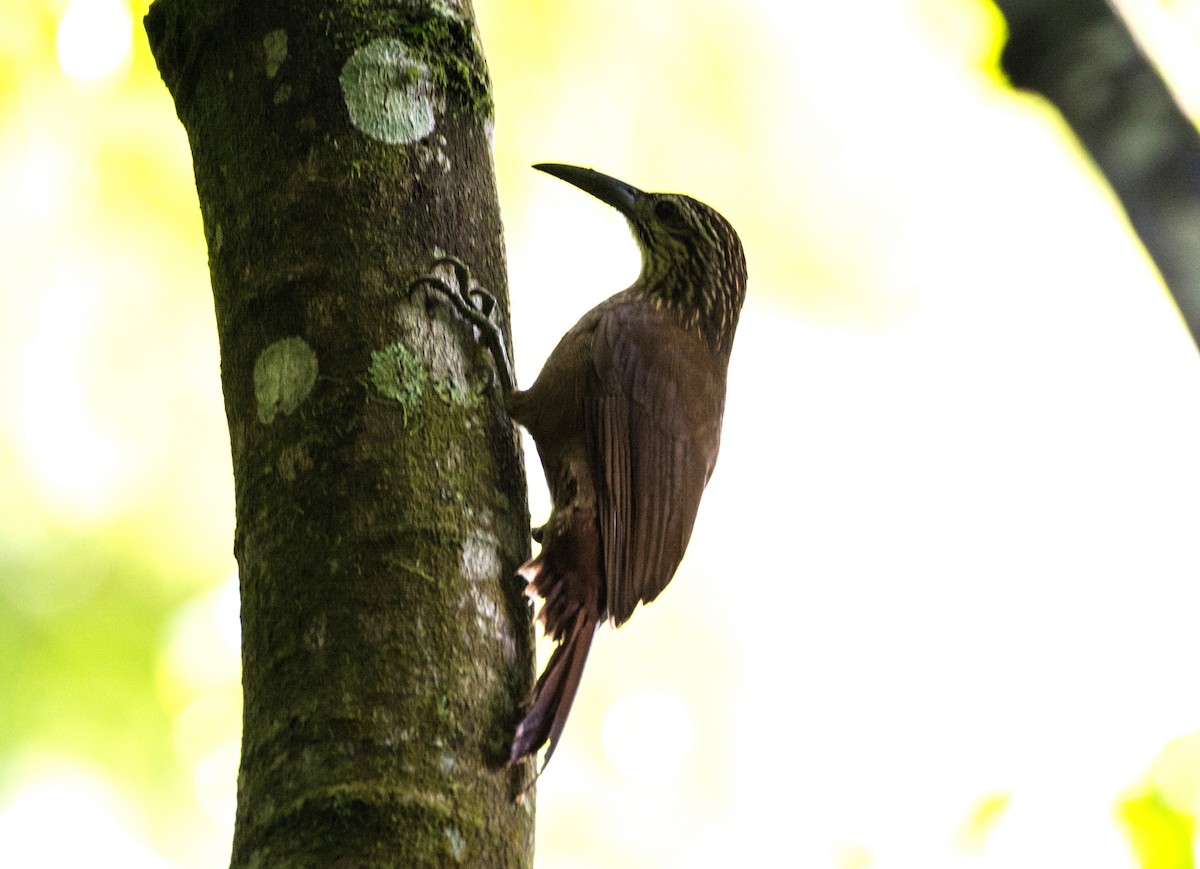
653,446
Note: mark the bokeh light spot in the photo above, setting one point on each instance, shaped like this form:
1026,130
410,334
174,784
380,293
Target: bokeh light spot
214,778
37,177
80,465
202,649
647,735
95,39
32,824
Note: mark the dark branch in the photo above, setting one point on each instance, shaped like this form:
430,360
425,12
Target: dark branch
1083,59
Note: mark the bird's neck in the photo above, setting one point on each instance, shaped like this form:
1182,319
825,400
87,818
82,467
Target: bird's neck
708,316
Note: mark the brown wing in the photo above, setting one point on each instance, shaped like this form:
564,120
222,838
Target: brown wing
654,427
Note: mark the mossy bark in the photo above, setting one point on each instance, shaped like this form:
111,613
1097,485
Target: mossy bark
338,149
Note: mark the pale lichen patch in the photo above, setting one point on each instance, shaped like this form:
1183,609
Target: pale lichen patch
481,556
491,623
284,374
388,92
275,48
457,844
434,339
397,373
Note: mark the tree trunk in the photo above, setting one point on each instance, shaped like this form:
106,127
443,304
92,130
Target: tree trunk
1082,57
386,645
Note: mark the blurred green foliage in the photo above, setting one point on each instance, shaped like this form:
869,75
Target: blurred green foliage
1162,835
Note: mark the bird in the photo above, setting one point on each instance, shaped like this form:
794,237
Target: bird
626,415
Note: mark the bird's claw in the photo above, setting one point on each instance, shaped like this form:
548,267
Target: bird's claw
468,298
483,300
475,304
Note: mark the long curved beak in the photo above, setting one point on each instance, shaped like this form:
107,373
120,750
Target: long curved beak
616,193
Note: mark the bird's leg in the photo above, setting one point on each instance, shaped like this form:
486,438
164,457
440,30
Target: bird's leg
476,305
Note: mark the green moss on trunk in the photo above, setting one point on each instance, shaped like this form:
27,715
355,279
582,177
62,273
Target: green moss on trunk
380,498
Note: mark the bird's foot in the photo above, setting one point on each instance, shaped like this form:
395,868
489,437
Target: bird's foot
476,305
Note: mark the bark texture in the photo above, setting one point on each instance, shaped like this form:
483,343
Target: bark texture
386,645
1082,57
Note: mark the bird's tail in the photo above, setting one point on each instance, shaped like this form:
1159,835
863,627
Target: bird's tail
566,574
555,691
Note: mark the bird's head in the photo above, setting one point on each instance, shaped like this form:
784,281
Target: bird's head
692,260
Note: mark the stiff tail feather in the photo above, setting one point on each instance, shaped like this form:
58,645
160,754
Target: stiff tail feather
555,692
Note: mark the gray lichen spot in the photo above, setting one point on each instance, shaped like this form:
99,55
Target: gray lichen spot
436,341
388,92
481,556
399,375
457,844
275,46
283,94
218,241
489,621
443,159
284,374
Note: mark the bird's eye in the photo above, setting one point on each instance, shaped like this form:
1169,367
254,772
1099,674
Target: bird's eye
668,212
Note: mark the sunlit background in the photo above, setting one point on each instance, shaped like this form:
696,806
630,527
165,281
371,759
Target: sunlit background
941,605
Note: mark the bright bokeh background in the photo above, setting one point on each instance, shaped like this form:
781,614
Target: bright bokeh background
941,605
